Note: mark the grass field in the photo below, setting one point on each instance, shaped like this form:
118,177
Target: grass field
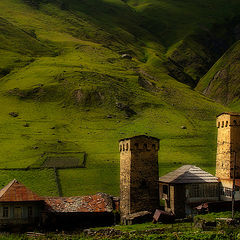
63,75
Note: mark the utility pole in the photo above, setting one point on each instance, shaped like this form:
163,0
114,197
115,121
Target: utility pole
233,190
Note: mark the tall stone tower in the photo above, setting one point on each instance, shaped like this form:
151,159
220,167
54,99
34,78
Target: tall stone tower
228,144
139,176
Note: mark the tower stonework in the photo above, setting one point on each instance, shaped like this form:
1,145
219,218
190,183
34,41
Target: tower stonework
139,188
228,145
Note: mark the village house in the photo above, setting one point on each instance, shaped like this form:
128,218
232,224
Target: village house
187,187
19,206
21,210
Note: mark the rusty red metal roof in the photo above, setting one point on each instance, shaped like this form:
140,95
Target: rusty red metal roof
17,192
99,202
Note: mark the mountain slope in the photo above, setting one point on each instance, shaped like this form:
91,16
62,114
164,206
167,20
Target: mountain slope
222,80
71,90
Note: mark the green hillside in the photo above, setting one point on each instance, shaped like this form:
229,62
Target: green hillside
68,94
222,81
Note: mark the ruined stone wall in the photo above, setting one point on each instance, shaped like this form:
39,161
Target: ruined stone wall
139,175
228,143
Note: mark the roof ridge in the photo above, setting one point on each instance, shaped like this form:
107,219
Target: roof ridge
5,189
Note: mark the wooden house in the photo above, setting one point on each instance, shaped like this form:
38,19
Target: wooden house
19,206
187,187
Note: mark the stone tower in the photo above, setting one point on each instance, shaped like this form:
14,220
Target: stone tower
139,176
228,144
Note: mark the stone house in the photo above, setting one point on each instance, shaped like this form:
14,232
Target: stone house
71,213
187,187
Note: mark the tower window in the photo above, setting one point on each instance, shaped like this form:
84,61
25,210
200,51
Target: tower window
120,148
127,147
218,124
226,124
123,147
222,124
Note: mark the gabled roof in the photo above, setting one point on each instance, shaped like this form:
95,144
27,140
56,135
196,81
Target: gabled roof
99,202
188,174
17,192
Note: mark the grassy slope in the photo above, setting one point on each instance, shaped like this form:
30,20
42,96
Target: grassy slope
78,79
222,80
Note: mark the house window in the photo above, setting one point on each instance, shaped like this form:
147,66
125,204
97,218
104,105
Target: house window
5,212
17,212
218,124
136,145
226,192
194,191
30,212
127,147
234,122
165,189
222,124
145,146
226,124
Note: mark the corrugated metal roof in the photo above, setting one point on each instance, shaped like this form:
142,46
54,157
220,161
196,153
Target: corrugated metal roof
17,192
188,174
100,202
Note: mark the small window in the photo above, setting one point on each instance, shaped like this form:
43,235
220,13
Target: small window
145,146
226,124
222,124
234,122
127,147
165,189
154,146
218,124
120,148
30,212
136,145
5,211
123,147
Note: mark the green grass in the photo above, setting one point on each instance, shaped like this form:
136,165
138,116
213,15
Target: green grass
62,72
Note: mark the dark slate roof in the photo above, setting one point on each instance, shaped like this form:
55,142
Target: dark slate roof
139,136
188,174
17,192
99,202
